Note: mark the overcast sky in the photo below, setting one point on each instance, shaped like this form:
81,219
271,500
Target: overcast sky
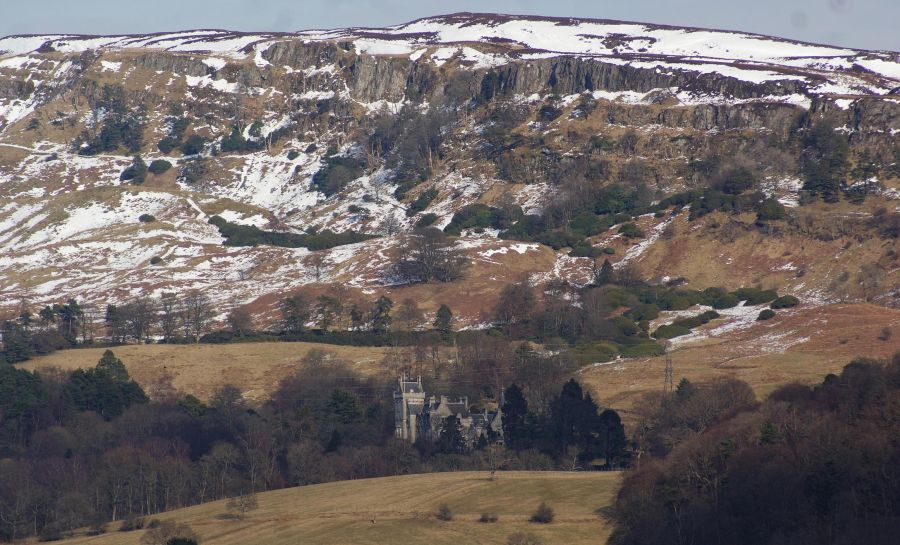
868,24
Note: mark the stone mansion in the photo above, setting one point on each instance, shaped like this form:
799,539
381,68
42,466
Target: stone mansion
419,416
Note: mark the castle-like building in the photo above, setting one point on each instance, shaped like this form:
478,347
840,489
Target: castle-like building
419,416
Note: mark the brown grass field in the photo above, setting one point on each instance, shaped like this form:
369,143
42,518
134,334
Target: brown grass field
198,369
798,345
400,510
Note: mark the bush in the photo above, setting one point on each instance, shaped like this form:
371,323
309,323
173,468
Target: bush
293,154
156,260
422,201
755,296
146,218
159,166
726,301
336,173
444,513
630,230
426,220
670,331
193,145
543,515
167,144
785,301
609,250
488,518
132,523
766,314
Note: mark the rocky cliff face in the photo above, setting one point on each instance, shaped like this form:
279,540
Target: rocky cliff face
485,109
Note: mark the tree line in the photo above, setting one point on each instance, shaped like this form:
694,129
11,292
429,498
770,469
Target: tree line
90,447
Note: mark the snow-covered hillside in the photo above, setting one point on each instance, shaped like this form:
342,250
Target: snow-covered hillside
576,88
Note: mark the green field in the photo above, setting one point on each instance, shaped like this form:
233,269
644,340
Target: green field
401,510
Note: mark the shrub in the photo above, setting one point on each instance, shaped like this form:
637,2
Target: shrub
132,523
543,515
644,349
728,300
426,220
336,173
193,145
770,209
630,230
422,201
766,314
293,154
755,296
146,218
159,166
488,518
167,144
785,301
885,334
670,331
444,513
156,260
609,250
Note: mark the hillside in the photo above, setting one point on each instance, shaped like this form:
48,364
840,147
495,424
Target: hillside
314,130
401,509
199,369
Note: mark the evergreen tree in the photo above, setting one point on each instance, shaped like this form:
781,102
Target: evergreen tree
443,321
612,436
515,419
16,342
381,315
451,440
605,275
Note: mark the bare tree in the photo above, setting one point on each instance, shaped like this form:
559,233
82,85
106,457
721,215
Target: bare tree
242,503
430,254
168,315
139,315
197,314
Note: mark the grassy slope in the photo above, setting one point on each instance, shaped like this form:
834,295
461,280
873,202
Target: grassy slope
403,509
802,345
199,369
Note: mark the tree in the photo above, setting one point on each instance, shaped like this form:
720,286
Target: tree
574,419
344,406
543,514
516,432
139,314
136,173
605,274
381,315
112,366
168,316
612,437
167,532
429,255
443,321
328,310
450,440
295,312
408,315
16,342
197,314
825,161
515,305
240,322
242,503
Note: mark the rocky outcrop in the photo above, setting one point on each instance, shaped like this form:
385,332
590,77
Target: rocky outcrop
185,65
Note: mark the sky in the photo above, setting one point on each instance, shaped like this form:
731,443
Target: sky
864,24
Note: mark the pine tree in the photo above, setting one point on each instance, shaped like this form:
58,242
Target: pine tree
451,440
605,274
515,418
443,321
